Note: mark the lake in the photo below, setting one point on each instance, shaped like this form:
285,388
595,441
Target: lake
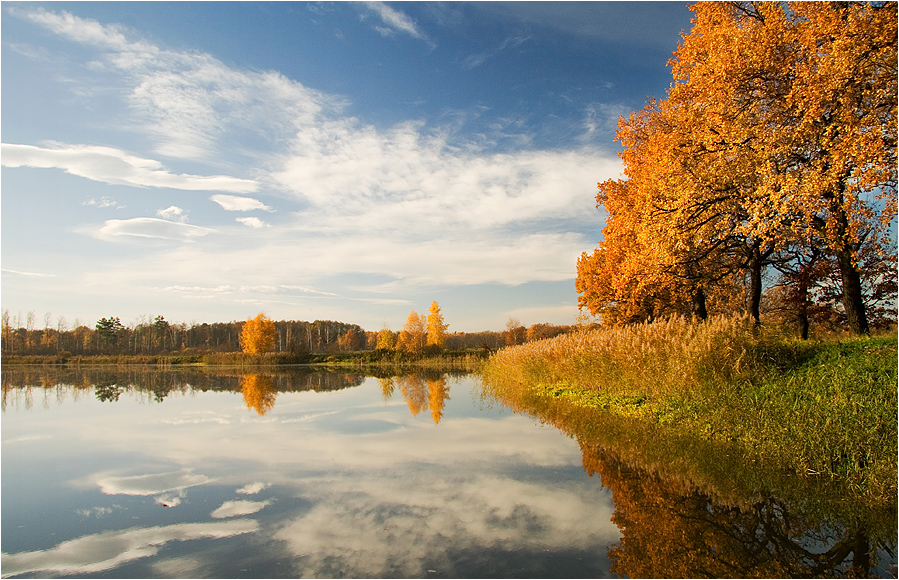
148,473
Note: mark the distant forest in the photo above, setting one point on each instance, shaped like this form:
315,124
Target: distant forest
24,335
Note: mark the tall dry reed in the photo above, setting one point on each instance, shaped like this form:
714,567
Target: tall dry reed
660,359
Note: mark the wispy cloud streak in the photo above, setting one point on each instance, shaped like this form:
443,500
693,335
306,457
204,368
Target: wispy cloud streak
396,21
113,166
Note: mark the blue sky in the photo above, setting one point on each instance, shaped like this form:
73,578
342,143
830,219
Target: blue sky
348,161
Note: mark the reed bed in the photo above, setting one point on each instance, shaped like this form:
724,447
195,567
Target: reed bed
821,409
660,359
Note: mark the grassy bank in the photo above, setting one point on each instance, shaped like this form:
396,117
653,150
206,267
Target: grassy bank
467,360
822,409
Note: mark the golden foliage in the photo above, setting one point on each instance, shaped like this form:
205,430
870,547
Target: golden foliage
259,393
438,393
414,389
436,326
414,334
778,130
386,339
258,335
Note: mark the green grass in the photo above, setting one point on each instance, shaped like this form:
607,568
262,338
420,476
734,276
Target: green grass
824,409
468,360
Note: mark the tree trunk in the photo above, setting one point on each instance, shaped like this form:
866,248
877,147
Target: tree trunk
853,299
754,292
699,309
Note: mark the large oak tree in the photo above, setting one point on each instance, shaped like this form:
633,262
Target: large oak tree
778,131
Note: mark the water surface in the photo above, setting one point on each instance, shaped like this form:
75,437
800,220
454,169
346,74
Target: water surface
186,473
247,475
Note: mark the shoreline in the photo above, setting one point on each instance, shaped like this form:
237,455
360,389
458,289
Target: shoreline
824,409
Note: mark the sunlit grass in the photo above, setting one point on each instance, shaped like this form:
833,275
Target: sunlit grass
824,409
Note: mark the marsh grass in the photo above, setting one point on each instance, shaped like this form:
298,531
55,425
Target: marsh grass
821,409
468,360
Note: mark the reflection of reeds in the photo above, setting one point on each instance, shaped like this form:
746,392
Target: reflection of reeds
823,409
617,446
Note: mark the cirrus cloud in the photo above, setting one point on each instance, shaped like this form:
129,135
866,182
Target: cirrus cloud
395,21
113,166
144,227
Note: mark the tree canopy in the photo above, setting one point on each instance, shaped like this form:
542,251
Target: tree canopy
436,326
777,138
258,335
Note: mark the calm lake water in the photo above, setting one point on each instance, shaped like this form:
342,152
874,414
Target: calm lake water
177,474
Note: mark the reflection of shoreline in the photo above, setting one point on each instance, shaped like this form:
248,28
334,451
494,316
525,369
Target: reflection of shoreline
691,507
19,385
426,390
671,529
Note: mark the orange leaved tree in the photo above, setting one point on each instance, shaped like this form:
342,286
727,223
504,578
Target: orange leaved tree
436,326
258,335
778,132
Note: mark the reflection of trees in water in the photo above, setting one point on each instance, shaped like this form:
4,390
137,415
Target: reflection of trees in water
672,529
421,391
258,393
108,392
388,386
19,384
414,389
438,393
692,507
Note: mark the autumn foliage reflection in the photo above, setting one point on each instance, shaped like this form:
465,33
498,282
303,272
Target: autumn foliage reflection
672,529
689,507
421,392
259,393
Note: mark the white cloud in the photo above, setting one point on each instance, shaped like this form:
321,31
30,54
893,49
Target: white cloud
106,550
102,202
396,21
144,227
188,101
28,274
252,222
415,205
150,484
237,203
173,213
229,509
357,178
253,488
113,166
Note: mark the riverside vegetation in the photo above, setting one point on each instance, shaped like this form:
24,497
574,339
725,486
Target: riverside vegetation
821,409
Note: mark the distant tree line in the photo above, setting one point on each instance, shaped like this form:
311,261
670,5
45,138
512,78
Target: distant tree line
27,335
20,335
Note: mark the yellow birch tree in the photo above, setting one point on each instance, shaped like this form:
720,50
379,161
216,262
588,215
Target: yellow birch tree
436,327
414,333
258,335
